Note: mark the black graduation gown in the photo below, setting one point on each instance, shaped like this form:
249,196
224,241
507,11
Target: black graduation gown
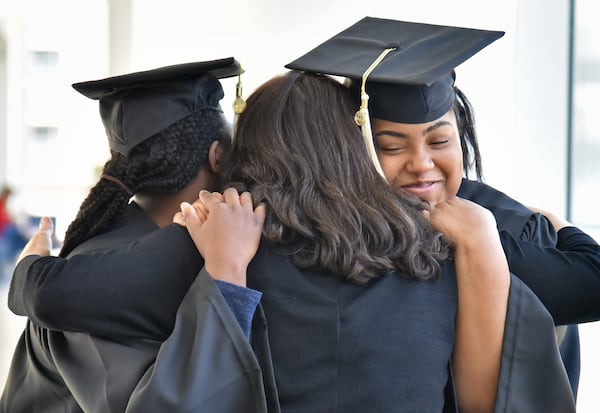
385,346
55,371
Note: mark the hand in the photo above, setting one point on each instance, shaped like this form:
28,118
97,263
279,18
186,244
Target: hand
463,222
557,222
200,208
41,241
229,235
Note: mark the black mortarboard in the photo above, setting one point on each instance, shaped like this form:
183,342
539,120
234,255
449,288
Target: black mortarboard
135,106
414,82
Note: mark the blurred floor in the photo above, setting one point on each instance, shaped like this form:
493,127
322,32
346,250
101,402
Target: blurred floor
11,327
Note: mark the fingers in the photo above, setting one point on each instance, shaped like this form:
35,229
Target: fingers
261,212
231,196
211,199
246,200
178,218
190,215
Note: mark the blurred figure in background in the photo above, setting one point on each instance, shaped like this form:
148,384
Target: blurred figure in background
12,240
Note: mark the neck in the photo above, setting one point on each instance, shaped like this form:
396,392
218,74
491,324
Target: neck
162,208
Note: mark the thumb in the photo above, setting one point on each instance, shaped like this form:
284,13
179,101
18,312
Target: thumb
41,241
46,225
190,216
178,219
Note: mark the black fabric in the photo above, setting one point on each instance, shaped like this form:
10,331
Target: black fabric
532,378
227,377
102,288
424,52
36,373
135,106
542,386
414,83
338,346
567,281
97,89
511,215
53,371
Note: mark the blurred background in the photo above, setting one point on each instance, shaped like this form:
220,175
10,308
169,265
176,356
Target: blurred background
533,92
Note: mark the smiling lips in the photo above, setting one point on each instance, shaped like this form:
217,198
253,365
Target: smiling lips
421,189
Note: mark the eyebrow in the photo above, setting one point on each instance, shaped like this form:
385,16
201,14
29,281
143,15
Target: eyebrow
430,129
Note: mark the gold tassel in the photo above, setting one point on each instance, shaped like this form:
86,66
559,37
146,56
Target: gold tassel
361,117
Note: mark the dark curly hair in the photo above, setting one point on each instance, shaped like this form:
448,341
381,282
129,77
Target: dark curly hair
162,164
297,149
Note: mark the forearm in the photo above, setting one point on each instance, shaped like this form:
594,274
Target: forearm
565,277
131,291
483,285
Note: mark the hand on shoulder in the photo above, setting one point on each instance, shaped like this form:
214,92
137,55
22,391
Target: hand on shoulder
226,229
557,222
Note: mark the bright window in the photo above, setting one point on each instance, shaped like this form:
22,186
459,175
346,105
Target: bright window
585,130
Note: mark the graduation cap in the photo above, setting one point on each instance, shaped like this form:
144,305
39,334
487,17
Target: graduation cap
404,70
135,106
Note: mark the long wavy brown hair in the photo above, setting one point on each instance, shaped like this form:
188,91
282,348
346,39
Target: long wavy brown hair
297,149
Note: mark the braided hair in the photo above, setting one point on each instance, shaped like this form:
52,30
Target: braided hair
162,164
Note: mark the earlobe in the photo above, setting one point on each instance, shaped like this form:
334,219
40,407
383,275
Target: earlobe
215,154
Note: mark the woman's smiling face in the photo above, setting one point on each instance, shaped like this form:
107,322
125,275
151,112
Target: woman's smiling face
424,159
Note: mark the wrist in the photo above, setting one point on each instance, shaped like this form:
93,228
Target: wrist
228,272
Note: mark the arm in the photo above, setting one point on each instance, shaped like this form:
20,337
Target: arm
557,222
109,292
483,283
566,278
220,371
71,294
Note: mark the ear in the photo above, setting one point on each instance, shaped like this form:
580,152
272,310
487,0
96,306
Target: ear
215,155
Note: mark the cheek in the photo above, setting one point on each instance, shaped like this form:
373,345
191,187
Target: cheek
391,165
453,169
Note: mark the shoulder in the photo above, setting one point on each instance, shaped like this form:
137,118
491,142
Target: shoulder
511,215
487,196
133,225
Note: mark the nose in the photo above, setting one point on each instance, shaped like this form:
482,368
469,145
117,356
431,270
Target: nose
420,162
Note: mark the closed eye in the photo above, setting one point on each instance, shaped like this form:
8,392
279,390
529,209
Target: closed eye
390,149
441,142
